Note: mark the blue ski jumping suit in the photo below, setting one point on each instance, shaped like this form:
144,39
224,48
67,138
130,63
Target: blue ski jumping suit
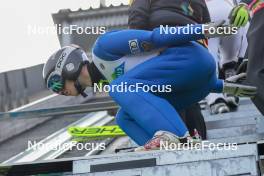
155,58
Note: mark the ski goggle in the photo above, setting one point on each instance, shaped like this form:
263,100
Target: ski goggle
55,83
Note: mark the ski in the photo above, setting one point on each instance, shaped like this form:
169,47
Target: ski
96,132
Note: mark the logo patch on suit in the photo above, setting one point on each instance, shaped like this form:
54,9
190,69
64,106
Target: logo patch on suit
134,47
120,70
102,66
146,46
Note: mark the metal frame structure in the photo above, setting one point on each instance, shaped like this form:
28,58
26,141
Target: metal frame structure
244,128
58,139
65,110
186,162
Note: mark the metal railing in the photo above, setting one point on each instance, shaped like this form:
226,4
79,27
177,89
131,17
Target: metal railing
66,110
59,139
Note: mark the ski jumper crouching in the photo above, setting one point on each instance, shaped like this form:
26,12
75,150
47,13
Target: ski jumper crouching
152,58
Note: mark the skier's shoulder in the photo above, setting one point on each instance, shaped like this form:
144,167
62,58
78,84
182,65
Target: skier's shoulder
100,47
102,38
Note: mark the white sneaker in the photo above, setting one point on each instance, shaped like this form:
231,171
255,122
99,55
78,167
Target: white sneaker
232,102
159,137
219,107
169,138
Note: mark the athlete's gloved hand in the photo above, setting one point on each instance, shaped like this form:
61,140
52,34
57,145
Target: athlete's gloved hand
239,90
239,15
217,29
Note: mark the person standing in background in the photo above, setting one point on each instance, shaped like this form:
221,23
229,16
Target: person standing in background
226,51
255,52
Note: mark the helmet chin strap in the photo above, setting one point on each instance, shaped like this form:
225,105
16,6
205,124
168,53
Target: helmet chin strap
95,75
80,89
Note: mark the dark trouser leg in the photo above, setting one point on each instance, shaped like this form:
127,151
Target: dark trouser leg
195,120
255,69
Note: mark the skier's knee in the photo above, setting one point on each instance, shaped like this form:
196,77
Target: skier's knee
120,118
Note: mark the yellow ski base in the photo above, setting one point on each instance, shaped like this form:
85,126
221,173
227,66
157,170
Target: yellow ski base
99,131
